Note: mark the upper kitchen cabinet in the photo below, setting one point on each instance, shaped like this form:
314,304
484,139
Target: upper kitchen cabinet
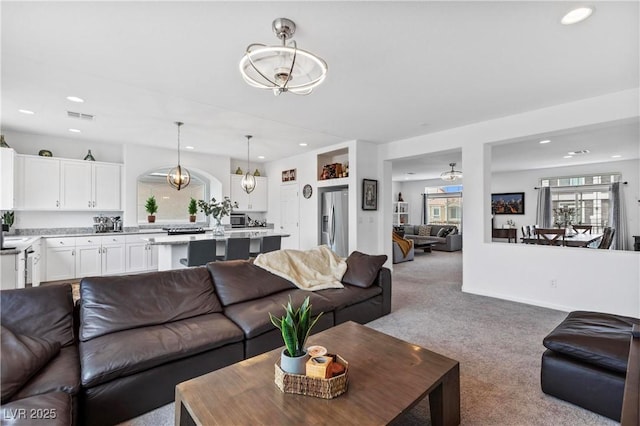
254,202
61,184
6,178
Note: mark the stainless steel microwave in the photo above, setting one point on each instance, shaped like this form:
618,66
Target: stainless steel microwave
239,220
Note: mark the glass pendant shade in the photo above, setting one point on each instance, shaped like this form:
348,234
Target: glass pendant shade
178,177
282,68
248,182
452,174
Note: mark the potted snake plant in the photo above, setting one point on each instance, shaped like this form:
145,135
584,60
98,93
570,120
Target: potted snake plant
295,327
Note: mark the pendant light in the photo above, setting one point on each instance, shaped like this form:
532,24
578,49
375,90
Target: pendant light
283,68
248,182
452,174
179,177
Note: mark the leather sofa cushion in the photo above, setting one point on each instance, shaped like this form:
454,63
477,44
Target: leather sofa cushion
127,352
115,303
253,316
22,357
240,280
362,269
349,295
51,409
593,337
61,374
45,312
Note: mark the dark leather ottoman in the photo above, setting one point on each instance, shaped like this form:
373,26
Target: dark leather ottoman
586,360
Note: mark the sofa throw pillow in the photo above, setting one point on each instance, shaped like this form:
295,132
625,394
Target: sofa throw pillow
22,358
454,230
362,269
424,230
442,233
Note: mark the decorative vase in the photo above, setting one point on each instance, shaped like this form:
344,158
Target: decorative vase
89,157
151,219
192,218
3,144
256,173
218,229
239,171
293,364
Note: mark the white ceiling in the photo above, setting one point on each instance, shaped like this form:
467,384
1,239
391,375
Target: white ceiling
396,69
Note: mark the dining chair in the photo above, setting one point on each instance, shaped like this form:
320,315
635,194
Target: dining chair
269,243
550,236
607,238
235,248
200,252
582,229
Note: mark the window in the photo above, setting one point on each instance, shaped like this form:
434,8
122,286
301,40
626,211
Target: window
444,205
172,204
586,197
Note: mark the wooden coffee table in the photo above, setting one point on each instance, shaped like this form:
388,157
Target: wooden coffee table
387,377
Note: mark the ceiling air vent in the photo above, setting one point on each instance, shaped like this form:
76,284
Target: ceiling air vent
79,115
579,152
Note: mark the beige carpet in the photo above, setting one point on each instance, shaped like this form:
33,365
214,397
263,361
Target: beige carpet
498,345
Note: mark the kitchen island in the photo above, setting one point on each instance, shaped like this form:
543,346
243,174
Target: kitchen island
172,248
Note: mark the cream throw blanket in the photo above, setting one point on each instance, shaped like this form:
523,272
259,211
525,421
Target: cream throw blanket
311,270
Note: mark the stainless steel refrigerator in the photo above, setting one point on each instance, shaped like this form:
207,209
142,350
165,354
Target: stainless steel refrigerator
335,221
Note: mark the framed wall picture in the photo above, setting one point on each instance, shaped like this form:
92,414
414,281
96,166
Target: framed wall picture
507,203
369,194
289,175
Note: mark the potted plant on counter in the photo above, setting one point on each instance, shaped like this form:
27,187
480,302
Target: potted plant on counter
193,209
295,327
151,207
217,209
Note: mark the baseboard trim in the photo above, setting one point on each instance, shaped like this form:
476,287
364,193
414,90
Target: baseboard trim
526,301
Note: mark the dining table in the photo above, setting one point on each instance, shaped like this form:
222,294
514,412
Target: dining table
571,240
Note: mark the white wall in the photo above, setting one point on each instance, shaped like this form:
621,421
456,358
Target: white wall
526,180
364,226
596,280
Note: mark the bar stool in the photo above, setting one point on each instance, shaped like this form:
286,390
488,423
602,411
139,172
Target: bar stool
235,248
269,243
200,252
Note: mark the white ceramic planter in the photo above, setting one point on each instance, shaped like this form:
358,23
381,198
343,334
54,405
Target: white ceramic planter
293,365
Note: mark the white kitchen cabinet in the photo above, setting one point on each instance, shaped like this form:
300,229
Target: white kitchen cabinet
254,202
38,183
62,184
36,266
8,271
113,255
61,259
7,156
100,255
141,256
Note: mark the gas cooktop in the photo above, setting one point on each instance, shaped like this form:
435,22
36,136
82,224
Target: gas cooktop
182,231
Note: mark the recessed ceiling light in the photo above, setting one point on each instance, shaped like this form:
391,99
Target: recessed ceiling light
616,156
261,157
189,147
576,15
75,130
302,144
75,99
545,141
568,156
26,111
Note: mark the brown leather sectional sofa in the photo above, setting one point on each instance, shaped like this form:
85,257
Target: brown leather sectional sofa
140,335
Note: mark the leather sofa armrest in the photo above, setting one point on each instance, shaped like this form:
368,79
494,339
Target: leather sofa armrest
384,281
631,400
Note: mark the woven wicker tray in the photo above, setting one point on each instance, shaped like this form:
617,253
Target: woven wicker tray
313,386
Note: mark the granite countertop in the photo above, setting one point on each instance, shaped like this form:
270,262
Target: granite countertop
185,238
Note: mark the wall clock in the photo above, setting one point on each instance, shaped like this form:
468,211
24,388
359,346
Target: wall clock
307,191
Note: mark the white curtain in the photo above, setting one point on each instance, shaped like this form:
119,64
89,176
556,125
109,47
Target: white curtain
543,213
618,217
